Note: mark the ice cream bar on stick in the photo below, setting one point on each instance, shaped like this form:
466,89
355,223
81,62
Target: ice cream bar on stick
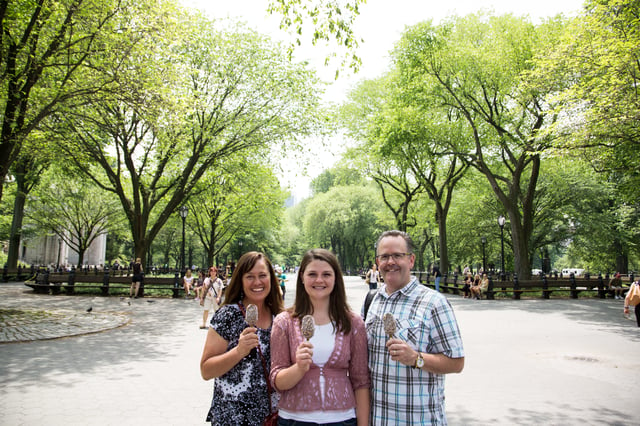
389,324
308,327
251,315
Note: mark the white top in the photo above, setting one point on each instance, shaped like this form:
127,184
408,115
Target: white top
215,289
323,341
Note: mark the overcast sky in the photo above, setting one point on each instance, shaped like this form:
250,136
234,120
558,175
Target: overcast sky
380,24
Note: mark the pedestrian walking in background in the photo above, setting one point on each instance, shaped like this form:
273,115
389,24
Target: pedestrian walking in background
136,279
237,355
322,376
211,295
199,284
437,276
372,277
633,299
408,366
282,279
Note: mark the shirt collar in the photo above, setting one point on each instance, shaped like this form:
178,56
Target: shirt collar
407,289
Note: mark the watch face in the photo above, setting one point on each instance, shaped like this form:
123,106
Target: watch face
420,362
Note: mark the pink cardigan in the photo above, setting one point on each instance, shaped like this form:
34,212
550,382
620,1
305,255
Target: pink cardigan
345,371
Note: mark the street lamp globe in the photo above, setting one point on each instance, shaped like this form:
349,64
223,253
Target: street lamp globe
184,211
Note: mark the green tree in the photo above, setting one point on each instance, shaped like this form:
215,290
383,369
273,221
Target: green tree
339,175
593,75
327,21
409,152
602,231
344,219
26,170
472,68
46,48
291,237
203,96
365,119
227,204
74,210
167,243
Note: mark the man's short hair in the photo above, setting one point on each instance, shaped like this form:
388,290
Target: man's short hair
395,233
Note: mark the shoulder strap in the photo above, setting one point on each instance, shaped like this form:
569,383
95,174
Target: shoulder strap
367,301
265,370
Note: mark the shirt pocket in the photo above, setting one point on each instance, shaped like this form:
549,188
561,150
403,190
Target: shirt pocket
410,331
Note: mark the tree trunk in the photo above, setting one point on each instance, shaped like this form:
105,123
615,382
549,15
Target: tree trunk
26,175
81,252
140,249
622,261
519,207
441,219
422,249
16,224
211,247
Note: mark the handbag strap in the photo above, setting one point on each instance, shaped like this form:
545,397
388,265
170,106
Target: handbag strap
211,286
264,364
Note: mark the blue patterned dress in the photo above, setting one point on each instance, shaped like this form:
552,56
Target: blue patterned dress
240,396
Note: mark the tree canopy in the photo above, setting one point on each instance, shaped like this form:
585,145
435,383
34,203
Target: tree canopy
157,107
203,96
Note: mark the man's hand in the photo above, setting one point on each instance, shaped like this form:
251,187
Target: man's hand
401,352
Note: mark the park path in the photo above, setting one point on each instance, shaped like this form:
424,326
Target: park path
528,362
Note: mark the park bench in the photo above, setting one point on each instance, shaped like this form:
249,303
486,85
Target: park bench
46,282
447,283
547,285
17,274
516,288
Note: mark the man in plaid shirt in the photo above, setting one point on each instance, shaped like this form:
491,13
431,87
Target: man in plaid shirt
408,368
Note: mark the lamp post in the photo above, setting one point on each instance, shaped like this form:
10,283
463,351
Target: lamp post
484,257
375,251
59,250
501,222
184,211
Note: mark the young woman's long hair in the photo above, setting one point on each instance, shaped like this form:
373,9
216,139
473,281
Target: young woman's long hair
339,310
234,292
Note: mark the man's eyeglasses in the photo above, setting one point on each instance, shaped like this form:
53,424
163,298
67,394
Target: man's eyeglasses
395,256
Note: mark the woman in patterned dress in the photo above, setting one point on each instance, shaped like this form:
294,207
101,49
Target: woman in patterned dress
237,355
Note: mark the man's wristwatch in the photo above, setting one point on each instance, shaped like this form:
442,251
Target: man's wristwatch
419,361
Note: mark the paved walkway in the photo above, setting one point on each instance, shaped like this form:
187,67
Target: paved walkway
529,362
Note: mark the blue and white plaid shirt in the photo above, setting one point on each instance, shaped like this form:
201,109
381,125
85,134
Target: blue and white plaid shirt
403,395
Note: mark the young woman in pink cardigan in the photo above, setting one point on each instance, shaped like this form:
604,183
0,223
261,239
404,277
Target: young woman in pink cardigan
323,380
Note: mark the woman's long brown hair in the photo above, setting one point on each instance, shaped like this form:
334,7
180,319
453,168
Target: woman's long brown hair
339,310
